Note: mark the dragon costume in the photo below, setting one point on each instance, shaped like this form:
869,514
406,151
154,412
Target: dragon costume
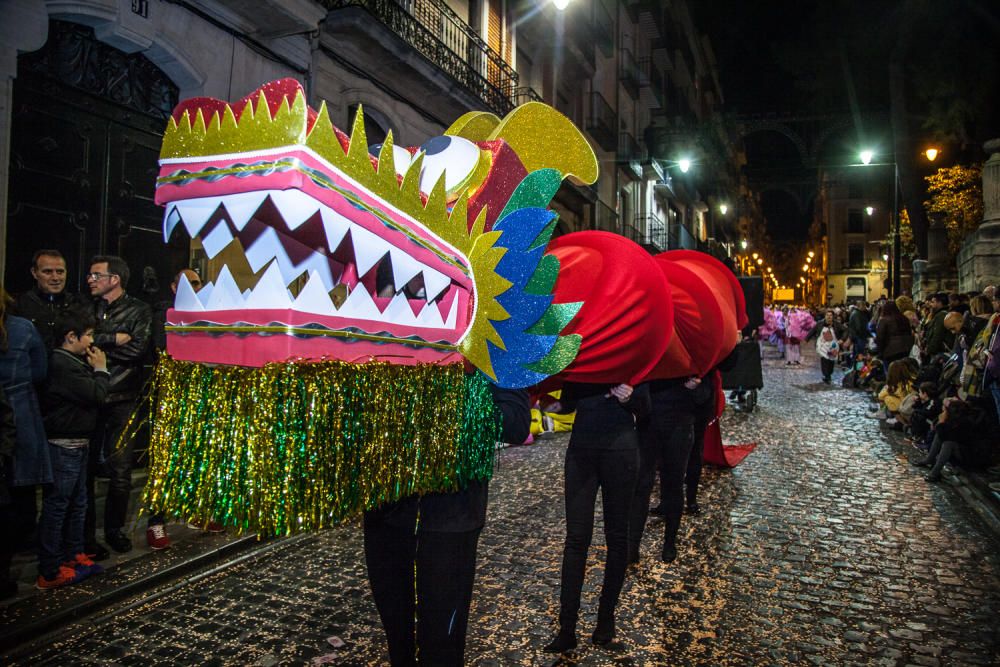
324,368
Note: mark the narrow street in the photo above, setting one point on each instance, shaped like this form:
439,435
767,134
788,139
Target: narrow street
824,547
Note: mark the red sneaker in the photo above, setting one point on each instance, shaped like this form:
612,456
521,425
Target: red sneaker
156,537
84,566
65,576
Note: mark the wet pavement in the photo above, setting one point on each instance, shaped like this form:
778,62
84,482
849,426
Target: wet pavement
823,547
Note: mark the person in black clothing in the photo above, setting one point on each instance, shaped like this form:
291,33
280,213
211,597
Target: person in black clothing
421,558
74,391
123,329
962,434
666,438
602,453
43,303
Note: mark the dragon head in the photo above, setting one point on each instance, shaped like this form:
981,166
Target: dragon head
329,248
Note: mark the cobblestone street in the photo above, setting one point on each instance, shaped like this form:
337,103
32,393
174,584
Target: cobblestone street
823,547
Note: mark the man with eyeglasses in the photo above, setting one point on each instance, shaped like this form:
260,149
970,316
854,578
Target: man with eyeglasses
123,332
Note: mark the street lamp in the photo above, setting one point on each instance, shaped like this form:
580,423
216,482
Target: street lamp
744,244
931,154
869,210
561,4
684,164
723,209
894,268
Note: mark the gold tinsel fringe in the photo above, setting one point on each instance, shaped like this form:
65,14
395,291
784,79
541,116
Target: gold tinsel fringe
303,446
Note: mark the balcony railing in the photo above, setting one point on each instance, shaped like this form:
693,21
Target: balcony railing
526,94
602,123
653,234
605,218
630,154
441,36
628,72
604,27
681,237
652,90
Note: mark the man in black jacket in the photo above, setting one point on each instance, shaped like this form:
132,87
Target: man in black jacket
123,330
43,303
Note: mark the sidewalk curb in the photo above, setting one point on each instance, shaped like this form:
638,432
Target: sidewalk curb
29,634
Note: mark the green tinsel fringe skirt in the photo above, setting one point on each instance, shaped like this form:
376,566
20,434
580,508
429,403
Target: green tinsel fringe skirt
302,446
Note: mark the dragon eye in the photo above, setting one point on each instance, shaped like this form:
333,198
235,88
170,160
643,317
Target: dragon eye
454,157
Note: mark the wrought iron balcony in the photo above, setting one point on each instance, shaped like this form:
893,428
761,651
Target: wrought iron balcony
630,154
628,72
434,30
651,93
602,123
652,233
681,237
604,27
526,94
605,217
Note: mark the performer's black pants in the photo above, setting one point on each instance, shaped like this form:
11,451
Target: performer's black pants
426,622
614,472
703,416
667,442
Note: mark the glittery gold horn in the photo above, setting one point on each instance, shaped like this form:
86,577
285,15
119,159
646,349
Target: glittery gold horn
542,137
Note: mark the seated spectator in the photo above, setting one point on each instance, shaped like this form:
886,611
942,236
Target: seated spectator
961,437
925,413
898,383
76,386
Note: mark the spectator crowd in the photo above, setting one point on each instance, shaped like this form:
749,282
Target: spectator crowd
72,368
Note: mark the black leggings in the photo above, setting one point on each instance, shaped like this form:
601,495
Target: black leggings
667,443
693,477
614,471
827,366
428,621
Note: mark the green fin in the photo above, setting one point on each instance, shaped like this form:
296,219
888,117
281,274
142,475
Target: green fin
544,278
544,235
559,357
555,318
536,190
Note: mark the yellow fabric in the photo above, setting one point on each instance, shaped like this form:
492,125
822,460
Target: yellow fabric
892,400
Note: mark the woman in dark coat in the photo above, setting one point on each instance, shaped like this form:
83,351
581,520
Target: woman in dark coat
893,336
603,453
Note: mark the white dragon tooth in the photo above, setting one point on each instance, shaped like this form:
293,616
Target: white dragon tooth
430,317
336,227
266,247
186,299
242,206
295,206
435,282
245,294
196,212
314,298
205,293
452,314
404,267
226,295
399,312
359,305
217,239
368,249
170,220
270,291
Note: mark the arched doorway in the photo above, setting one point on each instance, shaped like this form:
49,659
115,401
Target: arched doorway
87,123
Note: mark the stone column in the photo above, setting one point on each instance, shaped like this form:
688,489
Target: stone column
24,28
979,258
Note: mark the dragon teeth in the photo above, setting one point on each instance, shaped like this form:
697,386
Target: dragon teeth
270,291
216,240
170,220
404,267
368,249
241,207
296,206
314,298
226,295
196,212
336,227
186,299
435,283
359,305
399,311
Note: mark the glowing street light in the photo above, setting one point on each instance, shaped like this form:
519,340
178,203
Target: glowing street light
723,208
684,164
866,156
744,244
811,254
869,209
755,255
759,261
805,267
931,154
561,4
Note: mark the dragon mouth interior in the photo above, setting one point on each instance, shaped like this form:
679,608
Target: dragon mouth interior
304,256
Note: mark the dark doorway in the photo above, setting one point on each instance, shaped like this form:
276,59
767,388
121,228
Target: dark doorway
87,124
